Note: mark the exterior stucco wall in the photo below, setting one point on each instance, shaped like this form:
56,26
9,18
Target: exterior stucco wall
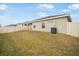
61,25
38,26
51,23
48,25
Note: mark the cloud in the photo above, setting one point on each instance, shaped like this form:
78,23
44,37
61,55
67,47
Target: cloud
66,10
5,16
41,14
74,15
3,7
74,6
45,6
1,17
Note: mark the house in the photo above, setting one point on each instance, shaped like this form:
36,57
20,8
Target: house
54,24
13,25
50,24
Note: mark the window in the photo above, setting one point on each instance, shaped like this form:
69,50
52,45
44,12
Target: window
43,25
29,24
14,25
34,26
25,24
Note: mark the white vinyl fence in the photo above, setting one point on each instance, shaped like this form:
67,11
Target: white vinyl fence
12,29
70,28
73,28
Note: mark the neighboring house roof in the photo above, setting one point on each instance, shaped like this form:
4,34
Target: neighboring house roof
12,25
18,23
27,22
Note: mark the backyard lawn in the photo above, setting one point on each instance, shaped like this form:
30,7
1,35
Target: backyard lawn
26,43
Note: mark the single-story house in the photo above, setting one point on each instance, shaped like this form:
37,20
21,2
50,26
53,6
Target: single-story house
54,24
49,24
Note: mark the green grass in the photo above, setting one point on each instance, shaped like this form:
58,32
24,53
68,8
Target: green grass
38,43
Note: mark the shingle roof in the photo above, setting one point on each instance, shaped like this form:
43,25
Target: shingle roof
45,18
53,17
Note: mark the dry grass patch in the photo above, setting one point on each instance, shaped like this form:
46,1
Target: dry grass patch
38,43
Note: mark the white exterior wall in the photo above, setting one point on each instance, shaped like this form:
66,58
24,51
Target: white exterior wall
38,26
61,25
51,23
48,25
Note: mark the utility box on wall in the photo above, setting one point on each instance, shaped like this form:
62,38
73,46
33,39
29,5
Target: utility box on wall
53,30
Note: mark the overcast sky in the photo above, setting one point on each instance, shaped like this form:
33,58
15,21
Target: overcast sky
16,13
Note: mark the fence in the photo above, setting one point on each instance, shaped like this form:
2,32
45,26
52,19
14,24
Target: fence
12,29
71,28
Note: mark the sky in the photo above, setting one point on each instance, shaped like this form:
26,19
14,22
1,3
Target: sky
12,13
